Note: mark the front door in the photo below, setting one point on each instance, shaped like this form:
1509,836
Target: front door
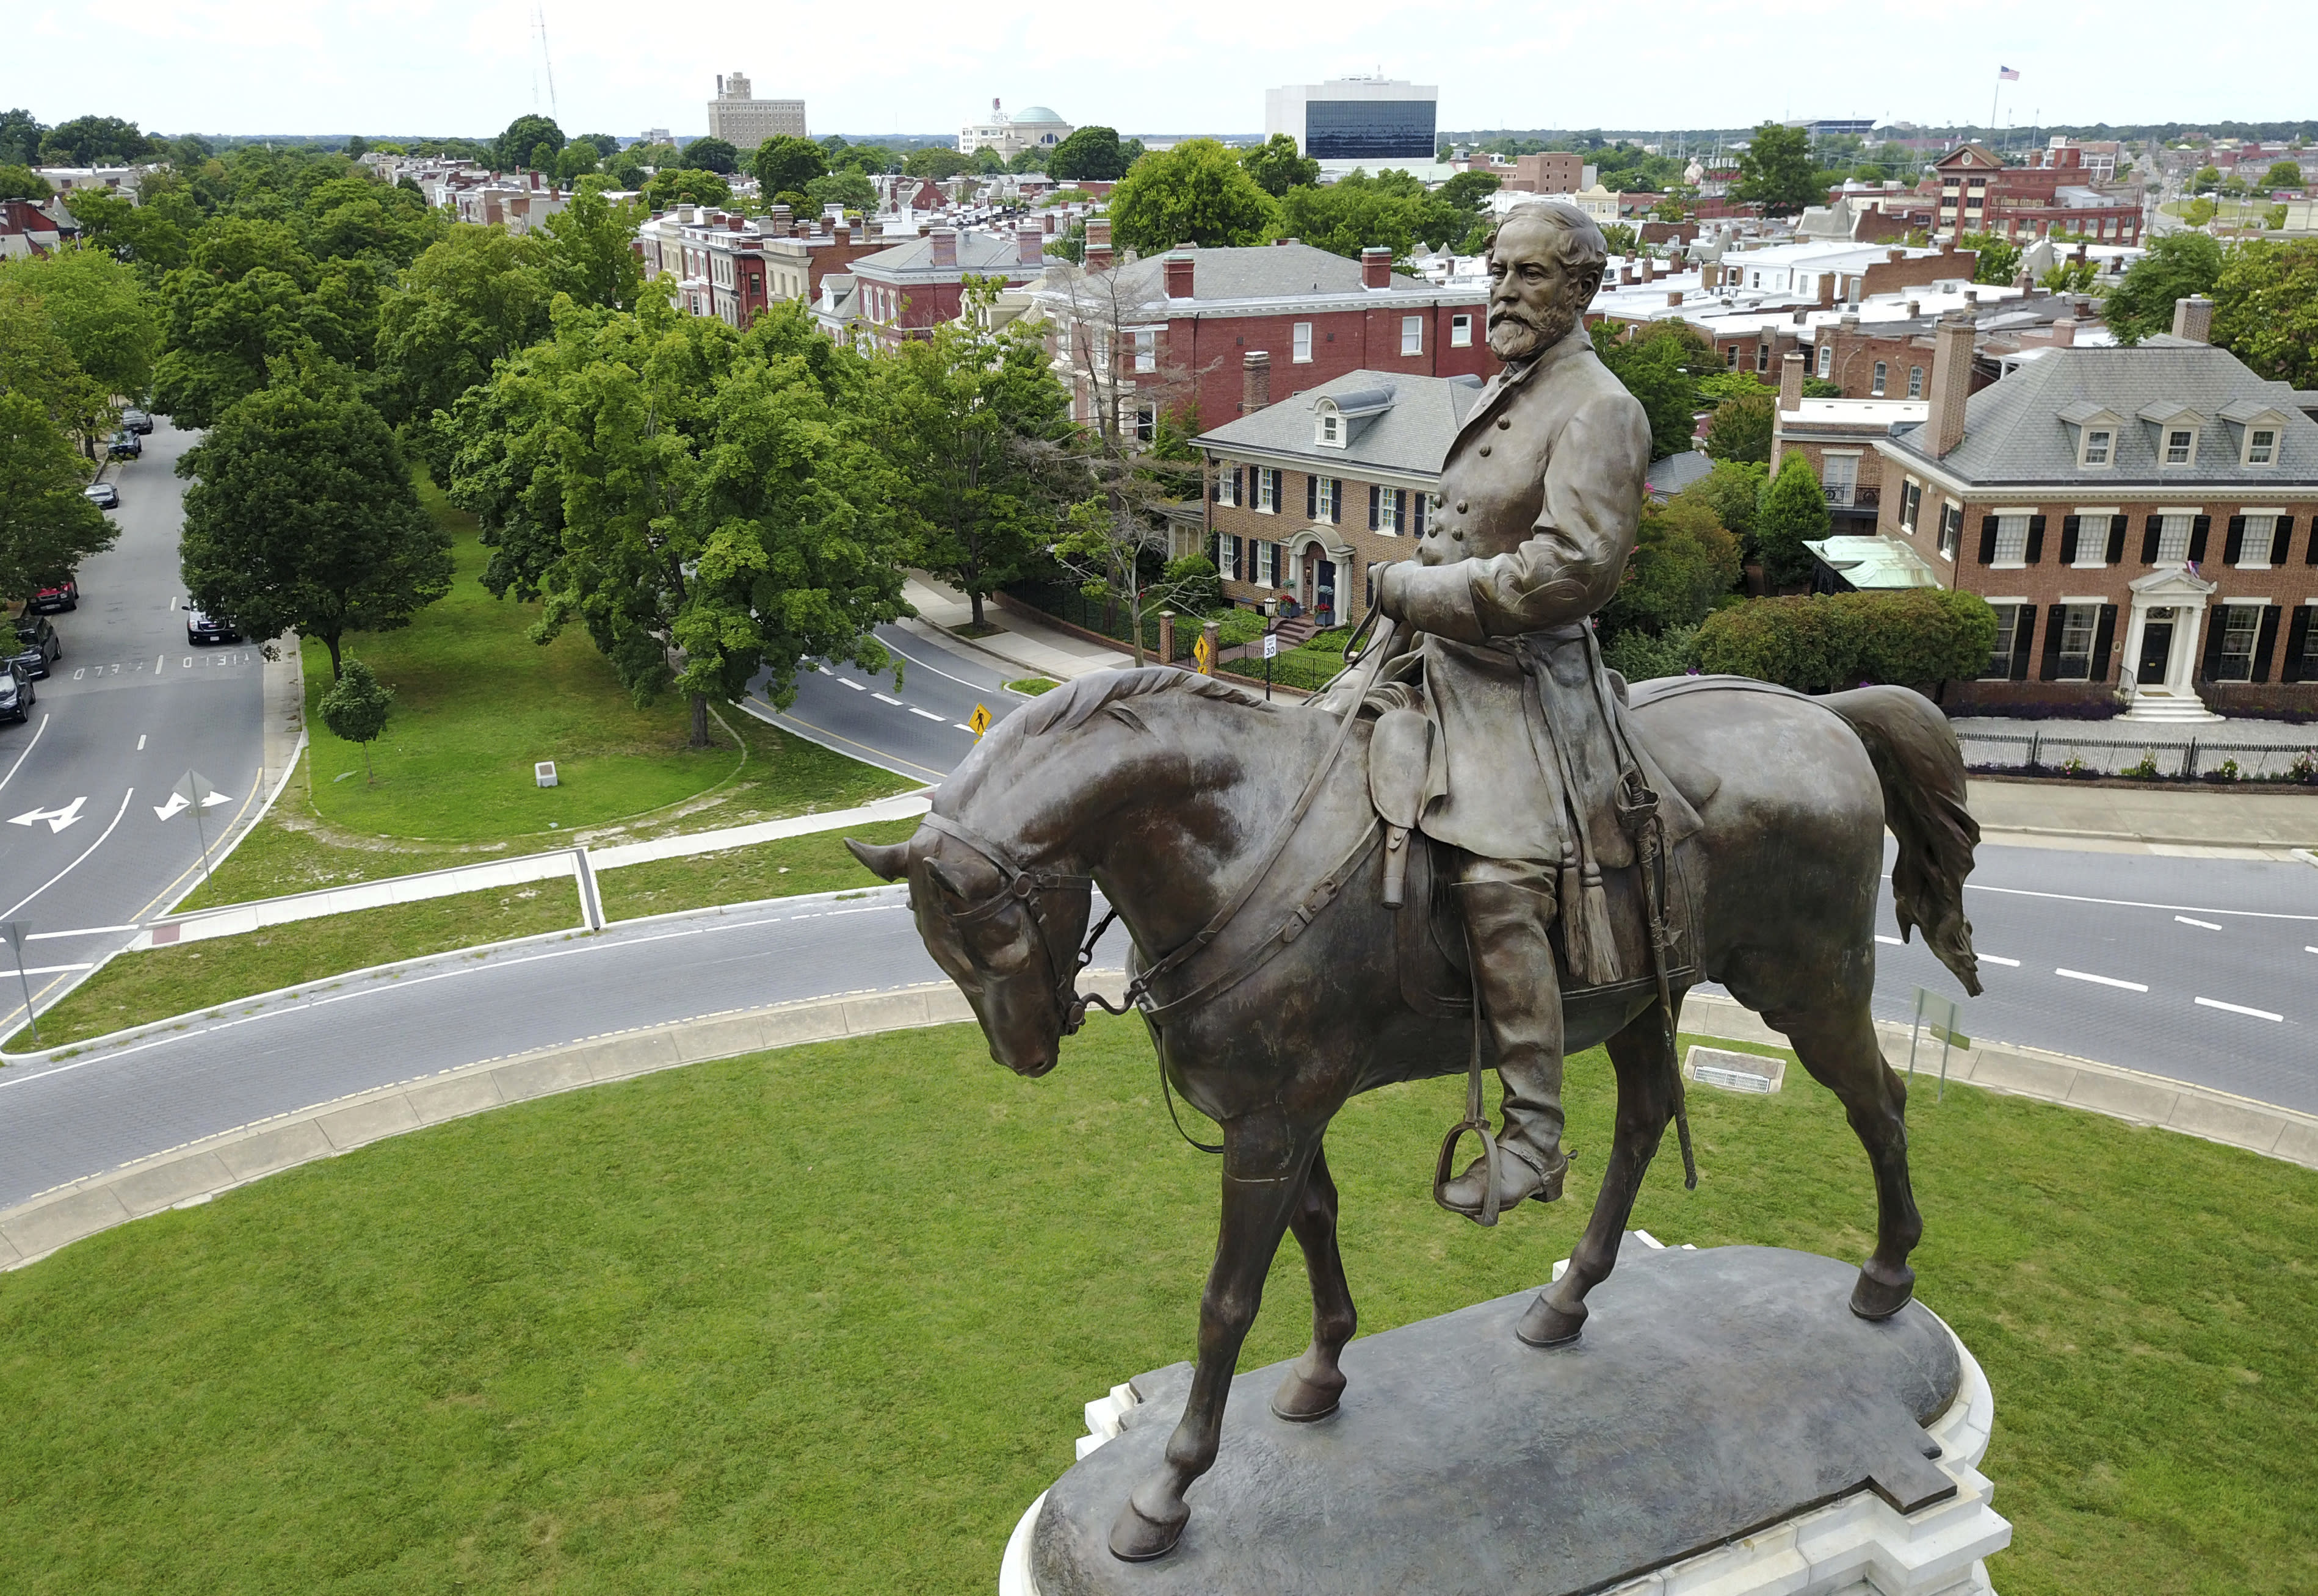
1324,601
2156,650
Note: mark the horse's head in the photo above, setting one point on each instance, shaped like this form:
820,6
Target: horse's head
1009,936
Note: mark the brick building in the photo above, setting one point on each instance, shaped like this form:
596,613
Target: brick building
1979,193
1172,334
2141,518
905,291
1306,493
1839,437
1555,172
731,267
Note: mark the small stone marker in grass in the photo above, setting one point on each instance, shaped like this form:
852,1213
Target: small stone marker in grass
544,772
1734,1072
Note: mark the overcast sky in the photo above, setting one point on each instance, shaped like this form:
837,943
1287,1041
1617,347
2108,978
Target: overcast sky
1192,65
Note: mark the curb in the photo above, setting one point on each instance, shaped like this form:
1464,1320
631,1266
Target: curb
193,1173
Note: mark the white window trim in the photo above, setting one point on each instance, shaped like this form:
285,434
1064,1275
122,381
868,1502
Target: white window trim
2275,426
2165,446
1842,453
2085,442
2247,512
1460,331
2100,559
1412,329
1299,339
1940,526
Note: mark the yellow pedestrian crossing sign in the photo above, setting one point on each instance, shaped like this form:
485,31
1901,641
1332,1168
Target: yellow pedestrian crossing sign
978,721
1204,652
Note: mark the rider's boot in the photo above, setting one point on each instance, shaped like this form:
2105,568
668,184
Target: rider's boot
1506,910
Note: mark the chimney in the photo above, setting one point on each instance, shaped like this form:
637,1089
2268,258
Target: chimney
1894,256
1790,382
945,246
1826,290
1375,268
1029,246
841,234
1098,245
2193,319
1673,296
1179,268
1254,383
1710,276
1649,269
1971,299
1915,308
2065,332
1951,382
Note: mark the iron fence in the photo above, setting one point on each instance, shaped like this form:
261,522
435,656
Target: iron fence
1066,603
2054,751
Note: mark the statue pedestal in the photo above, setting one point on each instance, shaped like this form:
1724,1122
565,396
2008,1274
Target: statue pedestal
1724,1426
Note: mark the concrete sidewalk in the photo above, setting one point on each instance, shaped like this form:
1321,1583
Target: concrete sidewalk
2175,820
1022,645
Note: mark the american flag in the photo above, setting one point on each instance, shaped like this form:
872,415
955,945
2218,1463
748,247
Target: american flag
2008,75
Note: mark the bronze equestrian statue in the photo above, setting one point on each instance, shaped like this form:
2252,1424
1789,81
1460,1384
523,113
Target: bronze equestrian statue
1301,934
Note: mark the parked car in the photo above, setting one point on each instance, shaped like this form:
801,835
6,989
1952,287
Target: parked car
105,496
125,446
38,646
136,421
16,693
65,595
202,628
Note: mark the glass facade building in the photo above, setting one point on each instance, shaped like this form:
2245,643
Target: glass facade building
1369,130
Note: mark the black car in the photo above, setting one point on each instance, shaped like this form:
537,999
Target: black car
105,496
201,628
38,646
125,446
136,421
16,693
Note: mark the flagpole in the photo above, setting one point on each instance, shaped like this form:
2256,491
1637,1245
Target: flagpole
1992,96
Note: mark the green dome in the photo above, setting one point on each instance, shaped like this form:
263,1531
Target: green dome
1037,113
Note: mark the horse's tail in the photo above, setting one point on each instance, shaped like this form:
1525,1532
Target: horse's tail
1921,768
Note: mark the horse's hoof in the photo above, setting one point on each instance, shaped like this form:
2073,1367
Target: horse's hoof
1872,1299
1545,1325
1300,1400
1137,1538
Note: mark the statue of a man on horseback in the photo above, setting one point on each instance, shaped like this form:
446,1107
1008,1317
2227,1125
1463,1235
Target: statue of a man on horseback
1536,514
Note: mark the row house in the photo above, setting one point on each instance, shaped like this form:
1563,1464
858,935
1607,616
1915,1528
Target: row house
723,264
1979,193
1173,333
1891,356
518,202
905,291
1306,494
28,230
2143,520
1839,437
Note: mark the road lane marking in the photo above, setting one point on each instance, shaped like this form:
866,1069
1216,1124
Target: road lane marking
849,682
961,726
27,754
938,671
57,819
158,661
881,698
927,712
68,869
75,969
140,742
2251,914
82,931
2130,986
1998,958
1893,941
2240,1009
777,716
2201,925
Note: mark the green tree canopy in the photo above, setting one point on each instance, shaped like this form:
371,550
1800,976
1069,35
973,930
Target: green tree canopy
713,155
1916,637
1276,166
935,162
1088,155
22,183
20,138
301,514
1659,368
684,185
1794,508
1775,170
1194,193
848,188
249,295
524,135
95,141
577,160
1391,209
355,709
46,527
589,251
1030,159
467,302
1998,259
2206,180
2265,309
1685,560
100,310
2177,267
783,165
2283,174
1741,427
1468,190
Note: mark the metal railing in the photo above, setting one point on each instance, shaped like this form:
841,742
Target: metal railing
1066,603
2051,751
1847,496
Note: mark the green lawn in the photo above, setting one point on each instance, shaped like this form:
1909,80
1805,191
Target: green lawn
195,976
815,863
824,1321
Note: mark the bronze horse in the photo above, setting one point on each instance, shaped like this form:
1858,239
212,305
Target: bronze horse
1167,790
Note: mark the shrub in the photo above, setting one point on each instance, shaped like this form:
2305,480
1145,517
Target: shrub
1793,509
1640,658
1235,627
1822,644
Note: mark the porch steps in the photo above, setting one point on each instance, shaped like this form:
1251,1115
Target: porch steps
2155,704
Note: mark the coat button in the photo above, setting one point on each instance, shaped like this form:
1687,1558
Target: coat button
1459,534
1504,422
1460,506
1485,449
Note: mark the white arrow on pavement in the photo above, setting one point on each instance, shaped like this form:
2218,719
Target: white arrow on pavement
57,819
215,799
176,801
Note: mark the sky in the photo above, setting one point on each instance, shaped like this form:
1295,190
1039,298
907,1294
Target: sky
1192,65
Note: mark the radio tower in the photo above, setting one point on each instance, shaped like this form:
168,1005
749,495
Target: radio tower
539,26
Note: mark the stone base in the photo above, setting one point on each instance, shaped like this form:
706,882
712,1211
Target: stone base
1725,1426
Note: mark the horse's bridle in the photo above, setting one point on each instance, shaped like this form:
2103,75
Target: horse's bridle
1030,888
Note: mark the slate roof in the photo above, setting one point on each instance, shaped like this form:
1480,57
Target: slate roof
1267,271
2015,432
1412,434
982,254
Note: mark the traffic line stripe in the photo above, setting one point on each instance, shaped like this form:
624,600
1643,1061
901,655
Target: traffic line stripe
84,931
2130,986
849,682
2201,925
961,726
2240,1009
881,698
1893,941
927,712
1993,958
76,969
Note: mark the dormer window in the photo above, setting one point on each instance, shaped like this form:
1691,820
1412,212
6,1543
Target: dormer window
1329,430
2180,446
2261,445
2099,441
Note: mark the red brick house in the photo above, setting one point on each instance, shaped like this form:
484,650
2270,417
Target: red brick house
1979,193
730,267
907,289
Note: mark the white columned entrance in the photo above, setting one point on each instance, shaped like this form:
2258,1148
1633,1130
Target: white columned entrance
2162,642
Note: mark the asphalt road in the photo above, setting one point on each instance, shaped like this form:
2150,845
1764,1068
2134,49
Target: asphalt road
920,732
129,710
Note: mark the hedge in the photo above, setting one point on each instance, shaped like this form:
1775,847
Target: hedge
1823,642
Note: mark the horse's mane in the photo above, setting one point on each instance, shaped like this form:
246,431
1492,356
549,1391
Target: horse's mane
1071,704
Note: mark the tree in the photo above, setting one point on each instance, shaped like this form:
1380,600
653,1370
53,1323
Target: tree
301,515
470,301
683,185
355,710
101,312
2283,174
1734,490
526,133
248,296
2178,266
1741,427
22,183
2206,180
1819,644
1276,166
848,188
577,160
1998,259
1683,561
1794,508
20,138
1620,238
1776,171
1029,158
2265,309
1467,190
94,141
1657,367
969,417
590,251
932,161
47,528
783,164
708,503
1194,193
2069,276
1088,155
713,155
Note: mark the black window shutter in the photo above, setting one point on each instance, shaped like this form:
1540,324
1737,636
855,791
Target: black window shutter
2116,525
2035,540
2214,630
2023,638
2234,542
1279,564
2266,643
2199,532
2104,638
1311,497
1372,507
2281,540
2070,526
1988,540
2297,643
2053,616
1400,510
2150,530
1423,504
1239,484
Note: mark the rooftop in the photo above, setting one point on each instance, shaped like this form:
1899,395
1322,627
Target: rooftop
1873,563
1262,271
1393,422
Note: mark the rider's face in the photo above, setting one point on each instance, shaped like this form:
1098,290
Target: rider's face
1535,299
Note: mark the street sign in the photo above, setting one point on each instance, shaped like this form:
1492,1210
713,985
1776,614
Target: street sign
979,720
1271,645
1944,1018
1203,654
12,933
197,793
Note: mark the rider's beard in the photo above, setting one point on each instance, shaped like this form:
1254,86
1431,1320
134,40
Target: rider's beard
1518,333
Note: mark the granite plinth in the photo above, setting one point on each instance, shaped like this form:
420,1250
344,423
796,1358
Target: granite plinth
1723,1408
